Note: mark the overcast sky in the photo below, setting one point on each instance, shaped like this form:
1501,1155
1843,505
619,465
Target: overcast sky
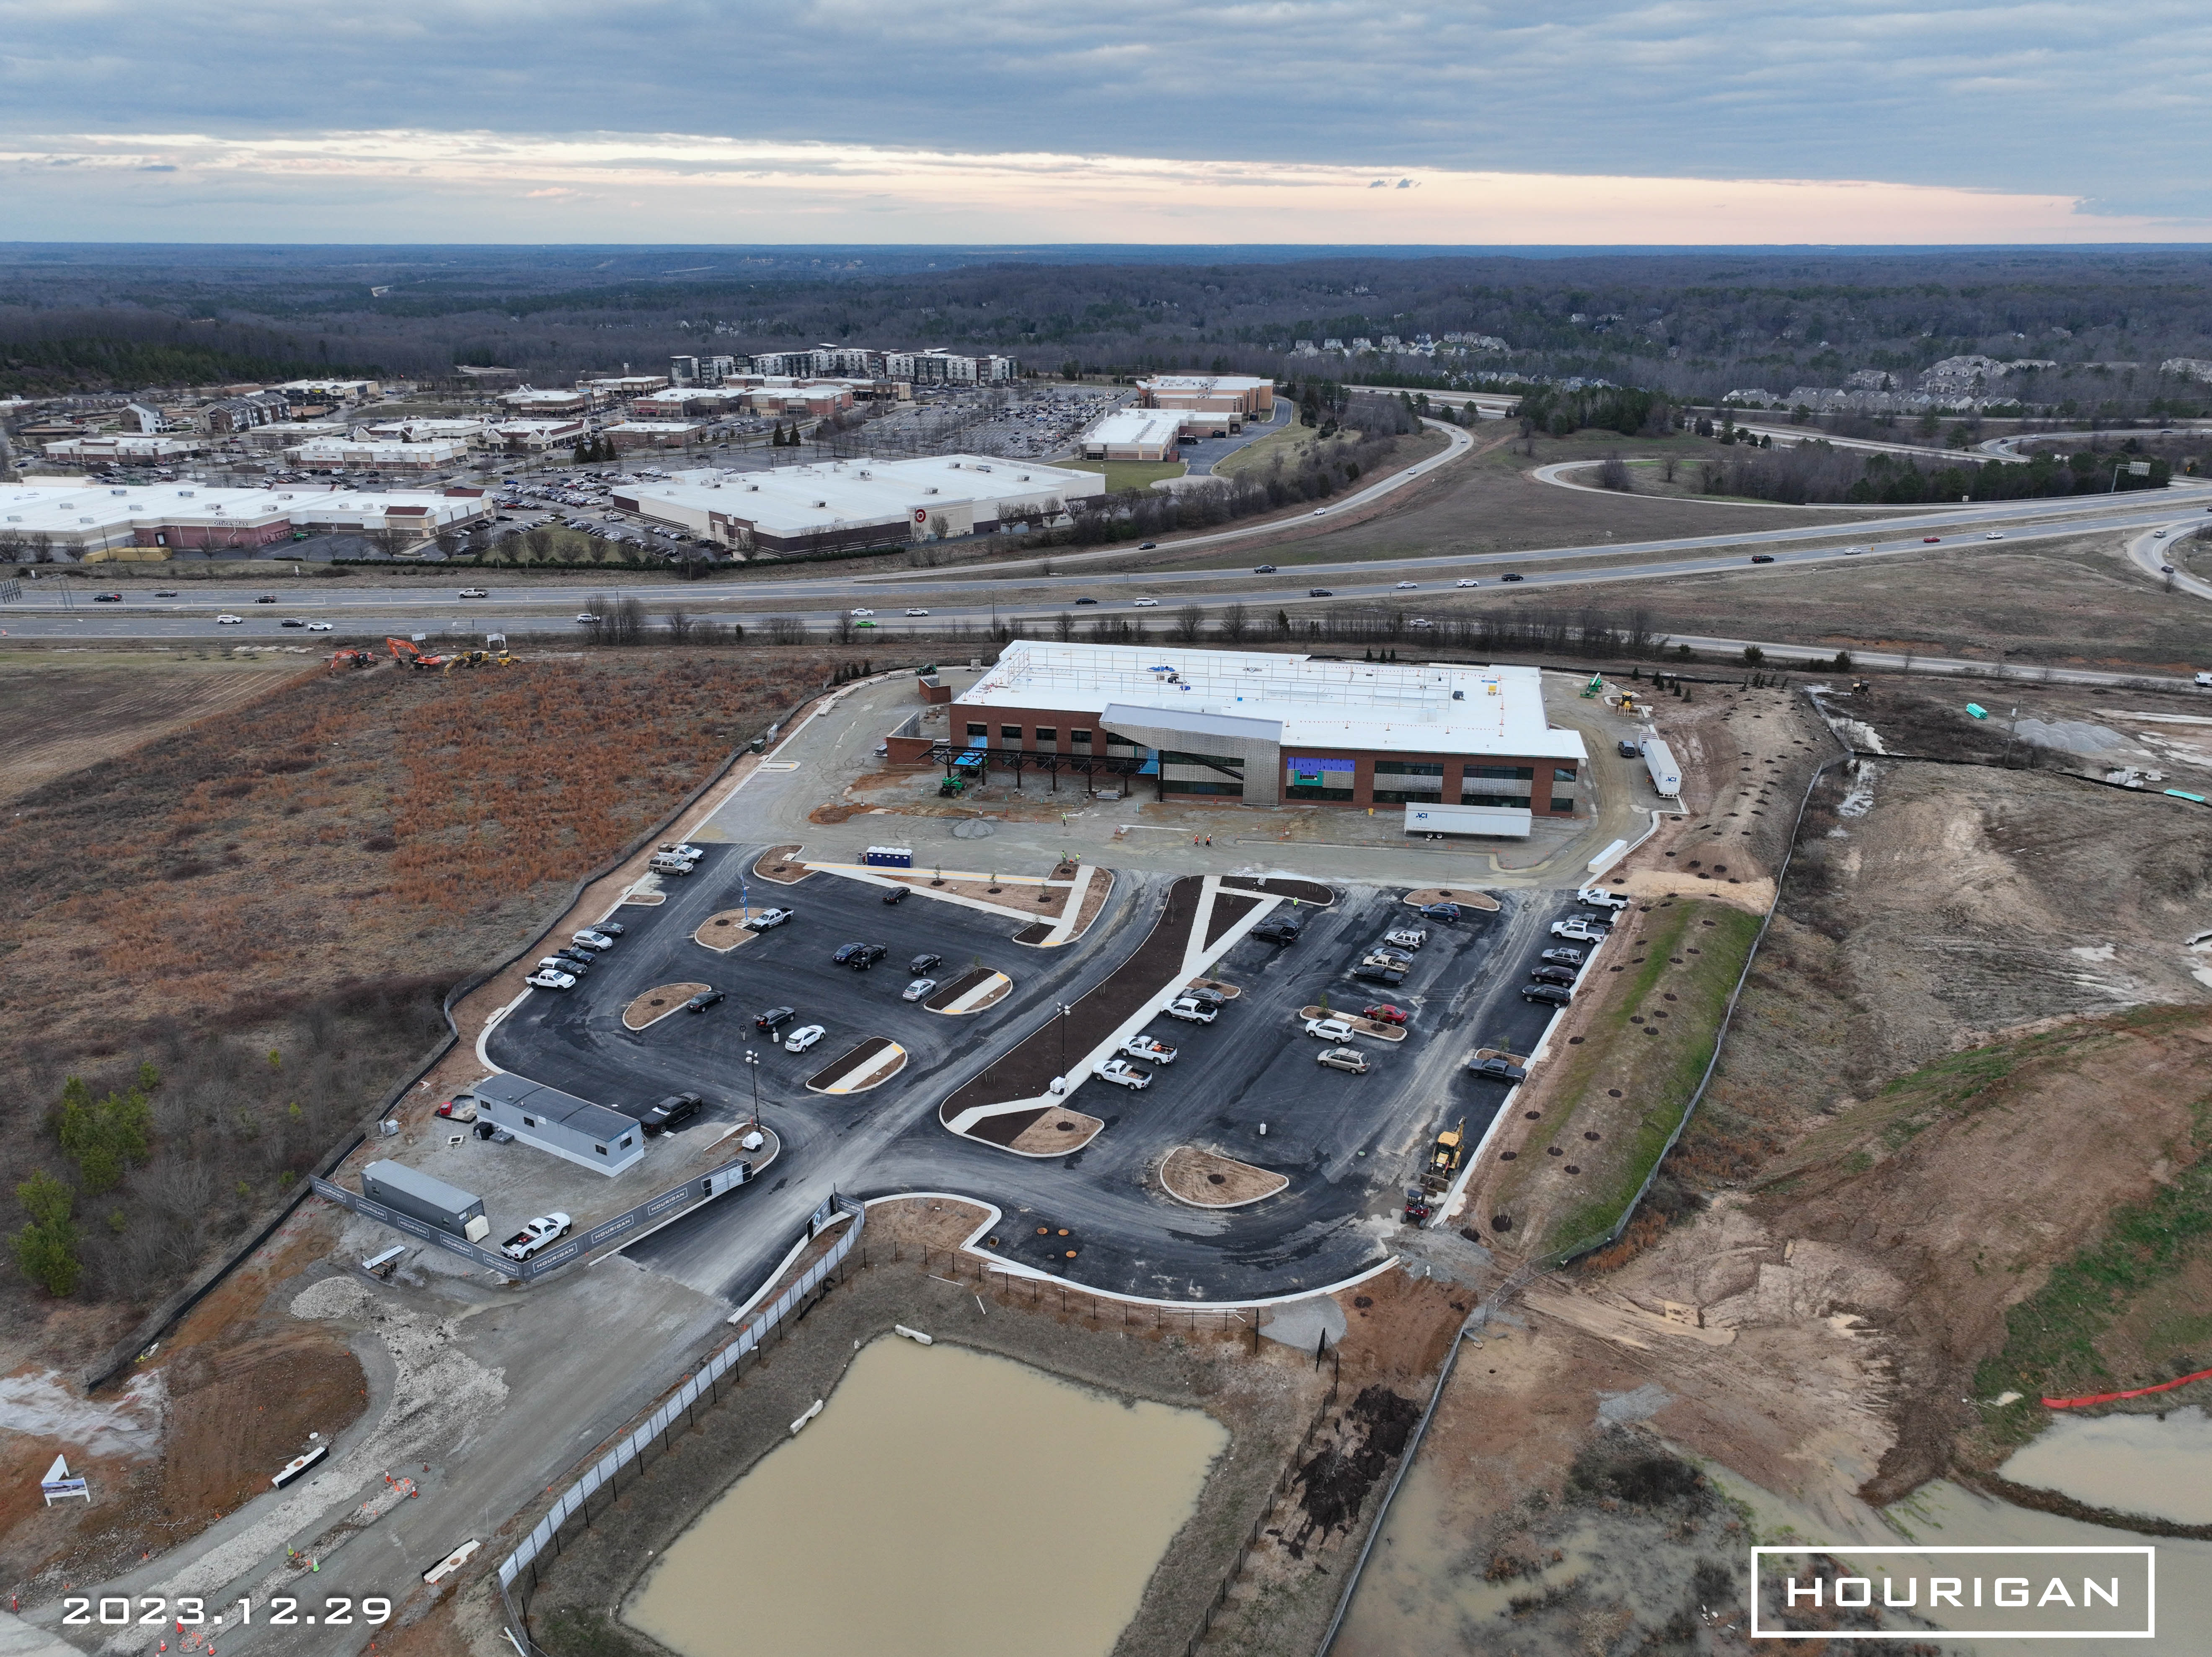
1281,121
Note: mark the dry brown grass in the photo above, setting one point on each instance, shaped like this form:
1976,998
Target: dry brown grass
1206,1179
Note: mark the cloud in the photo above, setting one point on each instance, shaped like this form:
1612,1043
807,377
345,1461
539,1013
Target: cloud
431,185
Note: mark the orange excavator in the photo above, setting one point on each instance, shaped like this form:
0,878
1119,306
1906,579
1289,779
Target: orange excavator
411,651
349,656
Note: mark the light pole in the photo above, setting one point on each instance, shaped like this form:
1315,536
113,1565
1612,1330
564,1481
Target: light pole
1066,1013
752,1065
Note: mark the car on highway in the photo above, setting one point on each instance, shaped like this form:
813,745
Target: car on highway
1495,1069
291,621
917,612
1148,546
266,598
108,598
1552,995
547,978
229,621
803,1038
1466,581
704,1000
1999,535
1513,576
1344,1059
1762,557
1852,552
862,611
167,593
1086,601
1122,1073
768,920
1562,956
541,1233
1329,1029
476,592
319,626
677,1108
917,989
1929,540
591,940
1385,1012
1598,898
1554,975
1263,569
922,963
1321,512
1408,586
1150,1048
587,618
1193,1011
770,1020
1147,604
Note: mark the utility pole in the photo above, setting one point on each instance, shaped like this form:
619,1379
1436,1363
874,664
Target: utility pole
752,1065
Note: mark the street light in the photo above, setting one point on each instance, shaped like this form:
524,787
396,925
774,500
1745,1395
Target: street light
1066,1013
752,1065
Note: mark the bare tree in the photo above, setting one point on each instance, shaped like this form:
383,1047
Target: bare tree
784,630
1189,621
1063,626
1612,474
1235,623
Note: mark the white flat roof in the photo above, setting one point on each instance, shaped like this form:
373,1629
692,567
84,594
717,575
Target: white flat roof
1433,707
1136,426
64,509
797,499
1205,383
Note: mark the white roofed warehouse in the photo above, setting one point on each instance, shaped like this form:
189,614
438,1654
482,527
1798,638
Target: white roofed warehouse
1264,729
801,511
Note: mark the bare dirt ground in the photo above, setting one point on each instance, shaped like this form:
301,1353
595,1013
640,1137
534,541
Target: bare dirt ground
1206,1179
1056,1132
73,710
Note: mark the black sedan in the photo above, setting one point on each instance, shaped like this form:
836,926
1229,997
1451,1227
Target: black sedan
704,1000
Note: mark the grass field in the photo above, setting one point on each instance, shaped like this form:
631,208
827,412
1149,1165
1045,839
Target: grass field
1650,1043
1129,474
1287,445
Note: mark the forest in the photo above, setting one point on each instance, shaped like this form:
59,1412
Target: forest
1681,325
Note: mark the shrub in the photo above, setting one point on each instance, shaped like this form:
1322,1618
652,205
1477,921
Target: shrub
46,1249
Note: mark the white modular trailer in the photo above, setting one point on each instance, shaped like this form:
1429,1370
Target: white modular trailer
427,1198
1500,821
1666,774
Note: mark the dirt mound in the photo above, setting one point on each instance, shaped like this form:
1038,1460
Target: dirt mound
239,1412
1337,1477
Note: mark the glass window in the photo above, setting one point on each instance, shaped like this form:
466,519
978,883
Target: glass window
1406,768
1047,736
1562,774
1080,739
529,1121
978,733
1011,734
1563,803
602,1150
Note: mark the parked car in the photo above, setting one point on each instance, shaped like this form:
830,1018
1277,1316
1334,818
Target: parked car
1283,931
1578,930
1385,1012
1598,898
1440,912
1206,998
1495,1069
1551,994
845,954
546,979
681,849
1345,1058
768,1021
803,1038
459,1108
1554,974
573,959
1563,957
704,1000
768,920
1329,1029
675,1108
1150,1048
591,940
541,1233
916,990
1405,938
1390,977
863,956
898,894
1122,1072
1191,1013
922,963
1627,751
562,964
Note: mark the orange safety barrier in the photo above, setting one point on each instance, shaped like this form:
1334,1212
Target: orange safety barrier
2134,1392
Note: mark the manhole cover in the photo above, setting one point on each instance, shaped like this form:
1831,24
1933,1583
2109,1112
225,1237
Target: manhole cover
990,1242
1217,1179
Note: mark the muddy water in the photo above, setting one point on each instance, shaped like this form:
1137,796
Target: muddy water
946,1504
2127,1463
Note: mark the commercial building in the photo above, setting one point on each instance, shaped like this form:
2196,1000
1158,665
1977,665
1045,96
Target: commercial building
1265,729
1154,434
330,390
678,401
576,1130
622,386
536,436
85,520
858,503
656,434
529,402
122,448
1246,396
471,432
378,454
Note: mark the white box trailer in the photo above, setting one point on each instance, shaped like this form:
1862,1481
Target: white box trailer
1659,760
1501,822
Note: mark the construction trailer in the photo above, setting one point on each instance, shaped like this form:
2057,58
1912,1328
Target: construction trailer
576,1130
456,1212
1659,760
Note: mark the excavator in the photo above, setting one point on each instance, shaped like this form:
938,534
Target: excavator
494,654
349,656
411,651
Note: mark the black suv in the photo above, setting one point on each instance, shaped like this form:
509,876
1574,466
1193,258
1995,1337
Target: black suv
1551,994
1553,975
768,1020
1277,931
864,955
675,1108
922,963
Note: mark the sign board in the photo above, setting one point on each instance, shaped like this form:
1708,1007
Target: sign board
1308,773
58,1486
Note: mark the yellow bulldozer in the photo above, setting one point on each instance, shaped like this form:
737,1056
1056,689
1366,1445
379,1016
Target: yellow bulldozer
494,654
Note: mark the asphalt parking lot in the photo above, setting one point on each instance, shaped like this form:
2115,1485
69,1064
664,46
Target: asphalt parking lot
579,1034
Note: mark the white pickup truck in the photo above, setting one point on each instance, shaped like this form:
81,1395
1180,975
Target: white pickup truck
1149,1048
1126,1074
541,1233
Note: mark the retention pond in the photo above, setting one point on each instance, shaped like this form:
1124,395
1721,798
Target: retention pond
945,1503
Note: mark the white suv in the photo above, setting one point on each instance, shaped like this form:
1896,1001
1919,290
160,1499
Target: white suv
1329,1029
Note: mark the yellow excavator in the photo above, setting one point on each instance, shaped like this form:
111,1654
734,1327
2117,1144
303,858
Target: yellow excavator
494,654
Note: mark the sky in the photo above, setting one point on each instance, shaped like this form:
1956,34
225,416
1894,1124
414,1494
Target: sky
1321,121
